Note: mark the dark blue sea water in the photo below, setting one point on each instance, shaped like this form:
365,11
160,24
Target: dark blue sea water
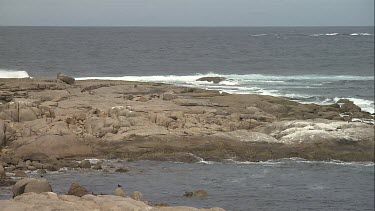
307,64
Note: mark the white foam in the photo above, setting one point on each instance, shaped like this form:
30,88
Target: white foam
245,77
362,34
13,74
365,105
240,84
301,160
155,78
331,34
258,35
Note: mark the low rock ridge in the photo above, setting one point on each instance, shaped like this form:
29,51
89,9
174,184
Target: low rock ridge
49,118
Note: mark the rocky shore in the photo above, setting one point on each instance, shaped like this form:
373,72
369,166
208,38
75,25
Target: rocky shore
50,123
36,194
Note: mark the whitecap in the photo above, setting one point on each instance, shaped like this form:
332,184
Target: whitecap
13,74
365,105
331,34
362,34
258,35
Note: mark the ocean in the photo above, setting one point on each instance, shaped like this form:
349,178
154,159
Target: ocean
286,184
306,64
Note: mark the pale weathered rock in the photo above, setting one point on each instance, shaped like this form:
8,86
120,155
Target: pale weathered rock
31,185
77,190
120,192
317,131
51,145
136,195
95,118
38,186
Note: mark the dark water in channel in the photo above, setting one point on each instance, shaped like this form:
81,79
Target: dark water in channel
272,185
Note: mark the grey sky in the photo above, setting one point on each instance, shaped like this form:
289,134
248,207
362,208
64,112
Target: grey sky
187,12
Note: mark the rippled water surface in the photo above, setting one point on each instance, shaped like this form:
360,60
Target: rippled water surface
274,185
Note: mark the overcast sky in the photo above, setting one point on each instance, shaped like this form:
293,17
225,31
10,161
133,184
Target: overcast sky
187,12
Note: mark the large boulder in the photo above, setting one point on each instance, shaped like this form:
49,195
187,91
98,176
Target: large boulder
77,190
120,192
31,185
85,164
215,80
348,106
65,78
136,195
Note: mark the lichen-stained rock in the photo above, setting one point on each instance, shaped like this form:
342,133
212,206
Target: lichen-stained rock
247,136
320,131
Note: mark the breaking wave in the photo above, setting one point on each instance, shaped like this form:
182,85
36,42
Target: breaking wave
13,74
301,160
261,84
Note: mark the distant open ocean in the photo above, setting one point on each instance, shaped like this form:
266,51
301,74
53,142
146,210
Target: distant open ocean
306,64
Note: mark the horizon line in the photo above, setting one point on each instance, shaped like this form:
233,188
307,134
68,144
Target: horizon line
192,26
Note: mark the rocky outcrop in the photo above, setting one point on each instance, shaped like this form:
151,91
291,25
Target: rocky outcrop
51,145
120,192
85,164
119,119
77,190
31,185
215,80
292,132
198,194
65,78
136,195
52,201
